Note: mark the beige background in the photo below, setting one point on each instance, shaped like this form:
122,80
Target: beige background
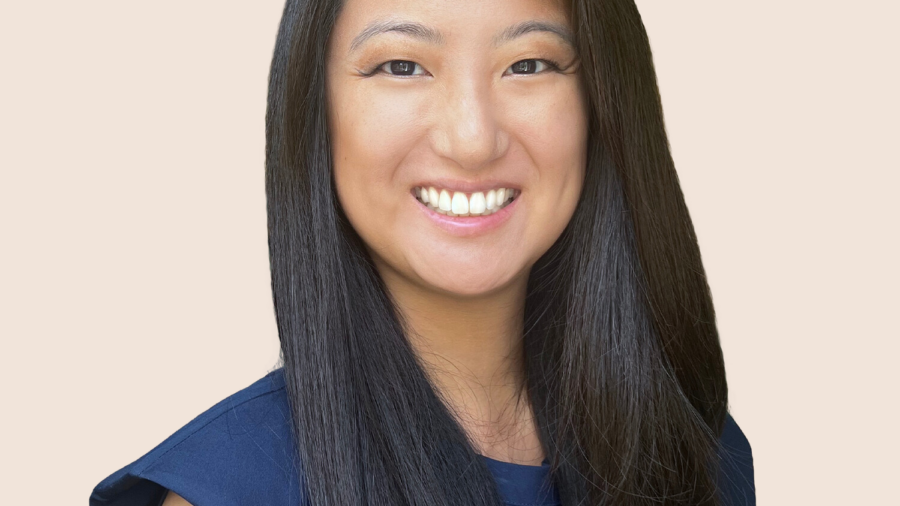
134,286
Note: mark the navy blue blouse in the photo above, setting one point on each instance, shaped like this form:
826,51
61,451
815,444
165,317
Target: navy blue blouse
241,452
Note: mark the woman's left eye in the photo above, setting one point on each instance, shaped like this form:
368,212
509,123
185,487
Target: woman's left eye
532,66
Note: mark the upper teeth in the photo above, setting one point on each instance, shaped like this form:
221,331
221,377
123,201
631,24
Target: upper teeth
461,204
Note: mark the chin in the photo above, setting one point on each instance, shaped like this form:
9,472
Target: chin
466,282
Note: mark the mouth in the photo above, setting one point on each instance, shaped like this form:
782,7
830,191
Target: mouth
458,204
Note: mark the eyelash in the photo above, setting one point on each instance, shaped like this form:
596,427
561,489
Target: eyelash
552,67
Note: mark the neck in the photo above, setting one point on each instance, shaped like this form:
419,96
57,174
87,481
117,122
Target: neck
471,348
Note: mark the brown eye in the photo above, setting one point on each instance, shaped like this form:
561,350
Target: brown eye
401,68
532,66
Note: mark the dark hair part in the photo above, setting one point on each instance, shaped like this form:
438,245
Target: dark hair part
624,367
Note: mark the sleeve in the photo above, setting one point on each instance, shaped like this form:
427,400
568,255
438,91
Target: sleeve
736,482
125,488
239,452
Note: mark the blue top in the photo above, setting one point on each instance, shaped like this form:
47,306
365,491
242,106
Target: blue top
241,452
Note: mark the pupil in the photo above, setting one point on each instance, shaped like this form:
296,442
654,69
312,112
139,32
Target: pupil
401,67
526,66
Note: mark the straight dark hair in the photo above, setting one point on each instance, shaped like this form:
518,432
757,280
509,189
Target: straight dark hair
624,367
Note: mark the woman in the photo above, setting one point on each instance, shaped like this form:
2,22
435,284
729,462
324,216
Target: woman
487,285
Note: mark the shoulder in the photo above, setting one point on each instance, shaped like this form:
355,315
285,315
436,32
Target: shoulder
736,481
239,451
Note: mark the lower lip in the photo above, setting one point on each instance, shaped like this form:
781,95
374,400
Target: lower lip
468,226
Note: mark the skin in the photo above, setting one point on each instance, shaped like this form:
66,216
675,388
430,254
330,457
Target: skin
464,115
173,499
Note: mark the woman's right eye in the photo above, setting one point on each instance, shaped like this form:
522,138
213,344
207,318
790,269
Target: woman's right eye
401,68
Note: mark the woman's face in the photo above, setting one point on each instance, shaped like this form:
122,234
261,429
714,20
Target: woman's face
459,98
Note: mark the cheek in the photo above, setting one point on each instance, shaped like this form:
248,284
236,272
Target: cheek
552,128
371,134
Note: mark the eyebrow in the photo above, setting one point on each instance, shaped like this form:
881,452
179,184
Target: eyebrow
520,29
433,36
415,30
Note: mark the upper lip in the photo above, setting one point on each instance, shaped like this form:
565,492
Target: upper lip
459,185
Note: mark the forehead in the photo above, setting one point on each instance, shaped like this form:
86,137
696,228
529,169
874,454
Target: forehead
444,22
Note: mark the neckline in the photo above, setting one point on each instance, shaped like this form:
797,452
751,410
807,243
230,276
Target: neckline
522,484
544,463
518,484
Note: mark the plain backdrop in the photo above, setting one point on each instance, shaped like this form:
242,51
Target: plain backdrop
134,284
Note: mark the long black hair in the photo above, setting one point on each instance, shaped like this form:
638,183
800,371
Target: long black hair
623,363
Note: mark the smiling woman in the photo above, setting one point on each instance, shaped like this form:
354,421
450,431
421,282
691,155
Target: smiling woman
477,124
486,282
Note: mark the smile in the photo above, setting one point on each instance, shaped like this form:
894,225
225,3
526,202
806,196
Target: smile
454,203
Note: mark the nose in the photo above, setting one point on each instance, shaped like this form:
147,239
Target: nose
468,130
